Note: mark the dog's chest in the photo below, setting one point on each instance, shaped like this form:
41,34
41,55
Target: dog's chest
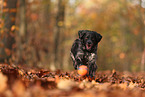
89,56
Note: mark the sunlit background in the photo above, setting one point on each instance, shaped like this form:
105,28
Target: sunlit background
40,33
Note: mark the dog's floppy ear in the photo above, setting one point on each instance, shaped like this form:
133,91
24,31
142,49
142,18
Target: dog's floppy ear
81,33
98,37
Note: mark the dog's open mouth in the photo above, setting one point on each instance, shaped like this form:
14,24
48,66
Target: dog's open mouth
88,46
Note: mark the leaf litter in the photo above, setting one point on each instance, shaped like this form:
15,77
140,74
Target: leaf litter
16,81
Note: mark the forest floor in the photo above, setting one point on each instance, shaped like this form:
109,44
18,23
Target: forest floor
19,82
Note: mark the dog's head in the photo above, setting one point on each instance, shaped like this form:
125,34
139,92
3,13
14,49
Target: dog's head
89,38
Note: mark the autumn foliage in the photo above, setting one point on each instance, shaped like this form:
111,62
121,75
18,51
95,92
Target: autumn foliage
39,34
21,82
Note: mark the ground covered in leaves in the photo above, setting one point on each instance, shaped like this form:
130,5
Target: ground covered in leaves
20,82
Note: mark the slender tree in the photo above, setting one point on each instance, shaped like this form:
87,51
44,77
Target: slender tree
22,33
59,33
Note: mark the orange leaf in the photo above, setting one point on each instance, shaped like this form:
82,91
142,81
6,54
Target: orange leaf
13,28
4,4
13,10
8,51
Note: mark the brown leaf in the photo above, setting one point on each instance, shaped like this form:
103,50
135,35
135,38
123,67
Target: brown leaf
3,82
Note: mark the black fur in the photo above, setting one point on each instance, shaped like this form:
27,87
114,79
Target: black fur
84,50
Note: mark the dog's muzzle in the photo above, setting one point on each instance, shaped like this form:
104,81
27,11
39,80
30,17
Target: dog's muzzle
89,45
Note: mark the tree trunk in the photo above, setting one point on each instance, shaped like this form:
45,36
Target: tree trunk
58,34
22,33
142,35
143,60
47,14
7,37
22,12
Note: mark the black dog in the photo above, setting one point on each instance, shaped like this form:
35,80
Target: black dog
84,50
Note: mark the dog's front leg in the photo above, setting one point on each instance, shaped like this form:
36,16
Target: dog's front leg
79,59
92,64
92,69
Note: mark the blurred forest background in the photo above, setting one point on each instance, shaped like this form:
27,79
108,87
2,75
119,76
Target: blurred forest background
40,33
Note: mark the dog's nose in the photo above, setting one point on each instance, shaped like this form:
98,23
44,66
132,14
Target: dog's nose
89,42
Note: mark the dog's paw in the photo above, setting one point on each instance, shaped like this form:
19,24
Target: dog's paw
91,77
75,67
